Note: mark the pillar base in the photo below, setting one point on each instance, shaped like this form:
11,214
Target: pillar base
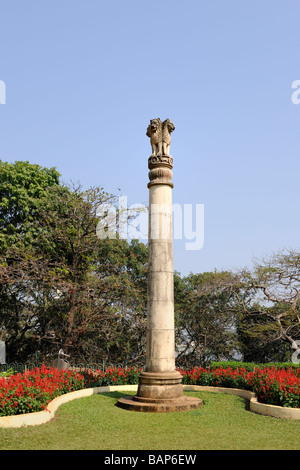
160,392
160,406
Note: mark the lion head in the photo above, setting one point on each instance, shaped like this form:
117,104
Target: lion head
170,125
154,125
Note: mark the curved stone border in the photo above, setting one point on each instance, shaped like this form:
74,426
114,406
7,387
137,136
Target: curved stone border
42,417
255,405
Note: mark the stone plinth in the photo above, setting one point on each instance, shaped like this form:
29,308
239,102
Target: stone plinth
160,392
183,404
160,386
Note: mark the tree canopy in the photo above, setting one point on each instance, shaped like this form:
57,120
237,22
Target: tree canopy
22,189
61,286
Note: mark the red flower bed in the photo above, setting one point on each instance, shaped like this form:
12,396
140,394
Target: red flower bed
277,387
34,389
272,386
218,377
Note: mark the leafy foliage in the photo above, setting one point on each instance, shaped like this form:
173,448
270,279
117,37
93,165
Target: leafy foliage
22,189
68,288
206,314
61,286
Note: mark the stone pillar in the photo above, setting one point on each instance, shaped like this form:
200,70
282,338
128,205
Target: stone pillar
160,388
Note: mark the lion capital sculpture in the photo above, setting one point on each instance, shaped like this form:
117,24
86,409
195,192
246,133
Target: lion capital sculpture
160,136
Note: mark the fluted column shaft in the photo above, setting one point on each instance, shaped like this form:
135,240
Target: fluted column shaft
160,308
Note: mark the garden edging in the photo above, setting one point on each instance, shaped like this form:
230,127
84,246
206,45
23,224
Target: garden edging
42,417
255,405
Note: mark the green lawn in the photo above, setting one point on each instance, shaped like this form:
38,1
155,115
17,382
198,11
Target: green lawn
223,422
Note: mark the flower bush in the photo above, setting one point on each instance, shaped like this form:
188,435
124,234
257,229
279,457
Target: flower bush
219,377
277,386
271,385
34,389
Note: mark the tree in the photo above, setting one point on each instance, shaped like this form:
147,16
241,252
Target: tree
272,318
69,288
22,188
258,338
100,280
206,310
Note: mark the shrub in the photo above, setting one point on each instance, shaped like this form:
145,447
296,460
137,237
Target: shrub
219,377
111,376
252,365
7,373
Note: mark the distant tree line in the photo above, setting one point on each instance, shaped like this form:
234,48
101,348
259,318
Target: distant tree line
63,287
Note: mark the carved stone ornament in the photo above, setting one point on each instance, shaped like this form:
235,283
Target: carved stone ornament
160,160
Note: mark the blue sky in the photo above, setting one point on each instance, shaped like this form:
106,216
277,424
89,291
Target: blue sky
83,79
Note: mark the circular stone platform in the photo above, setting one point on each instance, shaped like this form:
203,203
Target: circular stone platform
136,403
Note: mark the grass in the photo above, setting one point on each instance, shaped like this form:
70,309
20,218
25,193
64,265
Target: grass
93,423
